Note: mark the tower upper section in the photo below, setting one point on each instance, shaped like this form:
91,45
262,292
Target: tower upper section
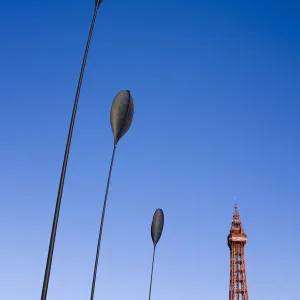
237,233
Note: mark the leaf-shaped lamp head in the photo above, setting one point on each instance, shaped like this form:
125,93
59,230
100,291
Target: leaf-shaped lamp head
98,2
121,114
157,225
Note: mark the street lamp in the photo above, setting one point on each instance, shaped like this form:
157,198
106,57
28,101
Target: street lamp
156,231
121,115
65,161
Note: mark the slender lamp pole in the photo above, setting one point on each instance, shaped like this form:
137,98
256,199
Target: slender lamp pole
65,161
156,231
121,115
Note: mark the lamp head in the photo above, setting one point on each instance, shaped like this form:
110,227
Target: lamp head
121,114
157,225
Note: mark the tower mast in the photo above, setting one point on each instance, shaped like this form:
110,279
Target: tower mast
237,240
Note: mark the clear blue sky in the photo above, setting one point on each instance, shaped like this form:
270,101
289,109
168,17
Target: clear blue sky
216,88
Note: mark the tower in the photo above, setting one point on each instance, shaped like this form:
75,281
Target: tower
237,240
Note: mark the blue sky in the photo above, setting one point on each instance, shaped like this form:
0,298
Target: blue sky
216,90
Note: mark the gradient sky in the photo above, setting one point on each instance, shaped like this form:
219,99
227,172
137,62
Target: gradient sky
216,88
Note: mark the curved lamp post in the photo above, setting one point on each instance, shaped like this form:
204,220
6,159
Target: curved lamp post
65,161
121,115
156,231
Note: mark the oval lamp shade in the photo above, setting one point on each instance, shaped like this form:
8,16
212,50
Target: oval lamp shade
157,225
121,114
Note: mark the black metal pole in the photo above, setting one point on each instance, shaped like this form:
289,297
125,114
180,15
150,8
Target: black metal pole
101,224
152,272
65,162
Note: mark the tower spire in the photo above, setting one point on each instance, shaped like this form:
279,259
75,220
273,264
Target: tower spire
236,214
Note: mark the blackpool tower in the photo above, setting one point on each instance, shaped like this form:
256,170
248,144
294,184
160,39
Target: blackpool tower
237,240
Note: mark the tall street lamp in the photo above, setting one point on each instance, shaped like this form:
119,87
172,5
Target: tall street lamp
65,161
156,231
121,115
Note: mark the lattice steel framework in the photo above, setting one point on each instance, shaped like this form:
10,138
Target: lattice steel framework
237,240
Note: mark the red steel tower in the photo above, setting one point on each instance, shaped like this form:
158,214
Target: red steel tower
237,240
